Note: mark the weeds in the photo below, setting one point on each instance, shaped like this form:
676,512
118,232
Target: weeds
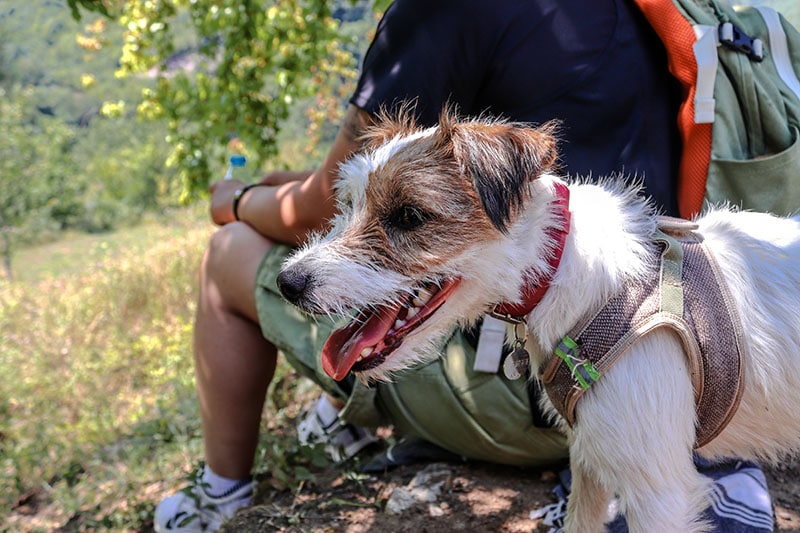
98,414
96,385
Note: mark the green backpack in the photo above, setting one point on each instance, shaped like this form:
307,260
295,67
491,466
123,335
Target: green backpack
739,118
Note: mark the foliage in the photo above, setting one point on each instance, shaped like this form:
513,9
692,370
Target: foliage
90,5
54,177
98,413
94,372
228,69
74,155
35,178
34,174
62,166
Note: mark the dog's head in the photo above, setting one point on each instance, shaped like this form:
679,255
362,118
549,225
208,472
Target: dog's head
427,237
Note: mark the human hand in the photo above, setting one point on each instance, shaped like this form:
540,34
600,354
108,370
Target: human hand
221,206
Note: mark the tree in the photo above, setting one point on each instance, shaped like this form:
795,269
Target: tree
15,197
227,69
37,178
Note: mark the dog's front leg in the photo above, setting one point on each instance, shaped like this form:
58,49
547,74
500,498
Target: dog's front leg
634,432
588,501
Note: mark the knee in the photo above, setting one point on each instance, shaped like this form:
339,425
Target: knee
231,241
219,246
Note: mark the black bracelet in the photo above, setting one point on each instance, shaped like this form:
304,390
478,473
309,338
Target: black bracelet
237,196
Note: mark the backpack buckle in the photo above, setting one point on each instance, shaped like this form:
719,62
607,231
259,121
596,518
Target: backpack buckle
735,39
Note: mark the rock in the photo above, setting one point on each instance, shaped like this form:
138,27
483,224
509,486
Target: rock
400,500
424,488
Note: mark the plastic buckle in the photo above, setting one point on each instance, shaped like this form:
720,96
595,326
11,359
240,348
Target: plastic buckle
582,370
734,38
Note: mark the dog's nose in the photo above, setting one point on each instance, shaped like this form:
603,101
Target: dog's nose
292,284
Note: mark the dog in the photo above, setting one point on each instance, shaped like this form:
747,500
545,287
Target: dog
439,226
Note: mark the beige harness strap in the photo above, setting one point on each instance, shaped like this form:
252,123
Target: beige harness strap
687,295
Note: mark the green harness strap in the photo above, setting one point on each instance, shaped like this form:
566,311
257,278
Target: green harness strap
671,274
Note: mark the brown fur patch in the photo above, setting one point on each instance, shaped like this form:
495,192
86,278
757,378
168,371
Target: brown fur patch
389,124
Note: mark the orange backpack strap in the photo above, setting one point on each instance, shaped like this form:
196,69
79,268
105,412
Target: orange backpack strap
678,36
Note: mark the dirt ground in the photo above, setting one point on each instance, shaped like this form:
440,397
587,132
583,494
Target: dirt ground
473,497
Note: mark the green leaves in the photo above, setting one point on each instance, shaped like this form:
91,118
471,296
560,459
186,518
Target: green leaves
232,68
98,6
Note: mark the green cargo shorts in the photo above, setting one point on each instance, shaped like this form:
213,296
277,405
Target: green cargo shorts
474,414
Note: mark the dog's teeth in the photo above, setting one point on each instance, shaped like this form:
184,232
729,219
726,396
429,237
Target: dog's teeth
366,352
399,324
423,296
412,312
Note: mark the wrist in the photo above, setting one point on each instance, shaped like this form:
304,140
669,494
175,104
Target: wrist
239,194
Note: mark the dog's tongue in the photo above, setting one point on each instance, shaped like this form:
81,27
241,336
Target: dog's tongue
345,344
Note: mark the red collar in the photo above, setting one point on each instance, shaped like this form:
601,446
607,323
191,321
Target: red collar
533,294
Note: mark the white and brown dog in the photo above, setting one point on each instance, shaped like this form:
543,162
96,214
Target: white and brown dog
439,226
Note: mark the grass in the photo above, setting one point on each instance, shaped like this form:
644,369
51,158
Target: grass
98,418
76,253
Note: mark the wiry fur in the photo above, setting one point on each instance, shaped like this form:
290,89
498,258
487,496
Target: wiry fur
635,428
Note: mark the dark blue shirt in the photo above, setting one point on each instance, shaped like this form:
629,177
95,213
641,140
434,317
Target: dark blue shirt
596,66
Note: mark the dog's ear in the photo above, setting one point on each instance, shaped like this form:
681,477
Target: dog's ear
501,159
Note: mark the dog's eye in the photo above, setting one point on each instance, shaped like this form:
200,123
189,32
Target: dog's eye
407,217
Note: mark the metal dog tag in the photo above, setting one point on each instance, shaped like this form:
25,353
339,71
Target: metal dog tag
516,364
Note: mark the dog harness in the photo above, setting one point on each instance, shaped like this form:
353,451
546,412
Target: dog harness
686,294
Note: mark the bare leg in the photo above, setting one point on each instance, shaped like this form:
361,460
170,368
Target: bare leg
234,364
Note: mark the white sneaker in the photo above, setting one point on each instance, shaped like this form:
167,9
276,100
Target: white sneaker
551,515
341,441
193,510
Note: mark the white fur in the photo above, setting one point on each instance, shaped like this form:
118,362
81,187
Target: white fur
635,428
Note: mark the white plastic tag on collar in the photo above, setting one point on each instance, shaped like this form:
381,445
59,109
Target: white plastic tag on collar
490,345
